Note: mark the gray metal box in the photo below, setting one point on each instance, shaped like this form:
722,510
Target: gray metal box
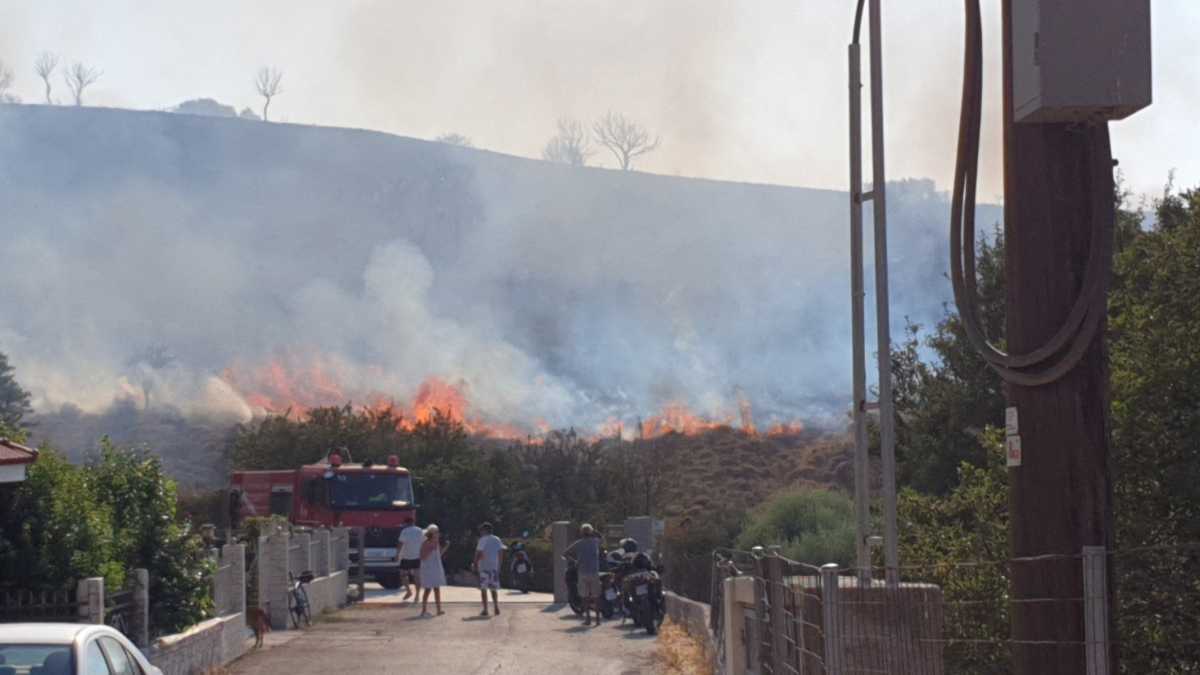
1079,60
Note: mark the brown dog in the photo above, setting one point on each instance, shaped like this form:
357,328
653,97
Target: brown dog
260,623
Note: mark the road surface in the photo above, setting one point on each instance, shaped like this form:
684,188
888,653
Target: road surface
526,638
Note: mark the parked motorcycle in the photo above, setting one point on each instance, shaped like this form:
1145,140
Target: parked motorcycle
643,594
522,569
571,577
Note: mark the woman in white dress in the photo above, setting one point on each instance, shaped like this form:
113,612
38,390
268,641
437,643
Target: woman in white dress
433,575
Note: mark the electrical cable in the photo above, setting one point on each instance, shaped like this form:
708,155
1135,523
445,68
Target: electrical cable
1058,355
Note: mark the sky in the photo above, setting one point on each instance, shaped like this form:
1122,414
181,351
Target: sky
736,90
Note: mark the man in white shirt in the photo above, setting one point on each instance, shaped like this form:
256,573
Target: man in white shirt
411,538
487,563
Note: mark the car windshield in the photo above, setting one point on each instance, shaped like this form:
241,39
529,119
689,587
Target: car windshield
46,659
368,490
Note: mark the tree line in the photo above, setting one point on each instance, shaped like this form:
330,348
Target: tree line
954,502
622,136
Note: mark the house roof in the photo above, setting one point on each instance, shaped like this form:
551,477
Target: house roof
15,453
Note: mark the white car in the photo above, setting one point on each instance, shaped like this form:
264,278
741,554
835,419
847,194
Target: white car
69,649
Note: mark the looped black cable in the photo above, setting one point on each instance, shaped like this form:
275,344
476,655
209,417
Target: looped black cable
1062,351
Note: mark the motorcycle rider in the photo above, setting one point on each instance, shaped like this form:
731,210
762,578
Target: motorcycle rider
585,551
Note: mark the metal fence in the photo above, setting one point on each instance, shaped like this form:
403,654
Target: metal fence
21,604
297,557
118,611
962,617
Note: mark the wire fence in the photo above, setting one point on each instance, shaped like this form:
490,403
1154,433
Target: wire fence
1047,613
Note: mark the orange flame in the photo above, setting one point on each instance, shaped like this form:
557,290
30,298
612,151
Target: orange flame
278,386
675,417
301,382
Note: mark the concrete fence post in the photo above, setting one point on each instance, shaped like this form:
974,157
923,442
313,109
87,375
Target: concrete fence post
560,535
139,614
261,598
234,555
89,593
324,569
341,549
831,619
1095,609
275,579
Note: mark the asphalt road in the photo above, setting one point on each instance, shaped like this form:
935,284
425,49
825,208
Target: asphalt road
525,638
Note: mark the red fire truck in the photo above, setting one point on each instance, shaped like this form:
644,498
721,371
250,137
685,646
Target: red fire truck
336,492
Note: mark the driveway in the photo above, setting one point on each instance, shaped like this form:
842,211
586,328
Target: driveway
525,638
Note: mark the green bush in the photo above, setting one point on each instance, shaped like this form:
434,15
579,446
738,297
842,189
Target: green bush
687,551
142,500
812,525
116,513
57,530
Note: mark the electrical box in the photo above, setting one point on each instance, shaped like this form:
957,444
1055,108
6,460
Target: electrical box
1079,60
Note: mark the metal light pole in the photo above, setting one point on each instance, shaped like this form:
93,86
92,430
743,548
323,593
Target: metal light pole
887,429
862,488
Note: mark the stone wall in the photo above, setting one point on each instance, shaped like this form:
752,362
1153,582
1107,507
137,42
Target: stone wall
195,650
693,617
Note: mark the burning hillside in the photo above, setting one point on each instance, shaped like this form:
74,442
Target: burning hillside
291,386
256,268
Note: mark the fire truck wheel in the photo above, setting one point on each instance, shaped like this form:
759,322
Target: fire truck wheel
389,581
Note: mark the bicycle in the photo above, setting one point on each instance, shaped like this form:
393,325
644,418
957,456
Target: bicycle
298,605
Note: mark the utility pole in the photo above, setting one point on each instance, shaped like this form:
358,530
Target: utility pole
1060,496
1058,207
886,406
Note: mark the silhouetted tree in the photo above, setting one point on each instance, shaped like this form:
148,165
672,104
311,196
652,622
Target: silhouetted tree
206,106
14,400
44,67
79,77
6,80
267,82
625,138
146,362
455,139
569,146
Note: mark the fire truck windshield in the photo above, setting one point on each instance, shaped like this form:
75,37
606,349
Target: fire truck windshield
368,490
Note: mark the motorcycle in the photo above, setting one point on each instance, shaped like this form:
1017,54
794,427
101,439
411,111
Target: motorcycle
644,597
571,577
522,571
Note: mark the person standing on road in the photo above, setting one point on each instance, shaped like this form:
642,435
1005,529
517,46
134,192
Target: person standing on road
411,538
433,575
487,563
586,553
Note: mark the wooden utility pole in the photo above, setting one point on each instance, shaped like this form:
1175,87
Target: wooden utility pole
1060,497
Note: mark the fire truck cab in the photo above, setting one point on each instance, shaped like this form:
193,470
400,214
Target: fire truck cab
375,497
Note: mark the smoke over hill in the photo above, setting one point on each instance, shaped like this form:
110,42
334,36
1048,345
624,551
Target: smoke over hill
218,268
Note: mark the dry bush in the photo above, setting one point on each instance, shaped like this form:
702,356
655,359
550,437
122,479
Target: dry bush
680,654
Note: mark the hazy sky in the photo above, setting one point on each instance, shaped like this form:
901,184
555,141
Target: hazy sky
751,91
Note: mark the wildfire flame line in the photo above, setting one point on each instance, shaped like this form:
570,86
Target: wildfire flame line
277,387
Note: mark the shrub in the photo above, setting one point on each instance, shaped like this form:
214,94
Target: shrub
57,531
812,525
687,551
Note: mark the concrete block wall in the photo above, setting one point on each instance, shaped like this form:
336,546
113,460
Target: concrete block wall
328,592
275,578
